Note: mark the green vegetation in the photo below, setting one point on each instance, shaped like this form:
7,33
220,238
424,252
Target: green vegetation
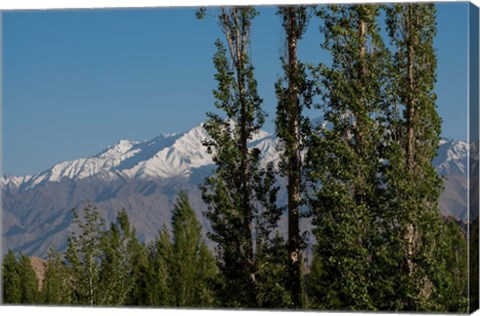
112,268
20,284
345,160
294,93
240,195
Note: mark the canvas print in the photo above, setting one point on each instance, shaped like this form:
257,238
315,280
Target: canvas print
315,157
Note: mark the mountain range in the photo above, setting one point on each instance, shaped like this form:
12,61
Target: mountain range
144,178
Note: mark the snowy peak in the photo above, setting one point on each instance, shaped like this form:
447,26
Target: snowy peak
172,155
184,153
117,150
13,182
452,157
165,156
122,155
86,167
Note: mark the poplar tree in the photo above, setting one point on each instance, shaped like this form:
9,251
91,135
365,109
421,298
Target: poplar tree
181,270
84,255
344,161
56,287
239,195
117,277
294,93
29,290
158,283
139,295
413,183
193,266
10,279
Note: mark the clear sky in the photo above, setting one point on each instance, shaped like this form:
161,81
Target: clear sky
77,81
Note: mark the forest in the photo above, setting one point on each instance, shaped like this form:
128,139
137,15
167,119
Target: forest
364,179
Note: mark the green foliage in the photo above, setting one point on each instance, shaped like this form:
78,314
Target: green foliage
453,293
473,245
179,272
141,271
381,244
19,280
343,159
84,256
413,186
200,13
57,286
273,276
159,287
193,266
294,93
120,250
11,280
239,193
28,281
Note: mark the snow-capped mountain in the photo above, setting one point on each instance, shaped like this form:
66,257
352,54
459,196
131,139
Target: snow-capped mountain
144,179
141,177
451,164
452,157
166,156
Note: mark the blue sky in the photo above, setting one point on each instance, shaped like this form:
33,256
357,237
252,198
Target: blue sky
77,81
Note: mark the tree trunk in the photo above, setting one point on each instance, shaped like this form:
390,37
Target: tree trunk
294,164
411,90
410,150
239,38
359,124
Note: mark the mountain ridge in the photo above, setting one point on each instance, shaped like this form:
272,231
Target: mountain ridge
144,178
122,156
164,156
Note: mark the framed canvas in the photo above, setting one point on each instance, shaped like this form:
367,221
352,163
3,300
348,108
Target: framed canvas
235,156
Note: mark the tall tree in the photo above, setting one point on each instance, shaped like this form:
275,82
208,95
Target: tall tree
158,283
411,177
84,255
344,159
238,202
56,287
140,294
181,270
119,247
193,266
292,99
29,288
10,280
